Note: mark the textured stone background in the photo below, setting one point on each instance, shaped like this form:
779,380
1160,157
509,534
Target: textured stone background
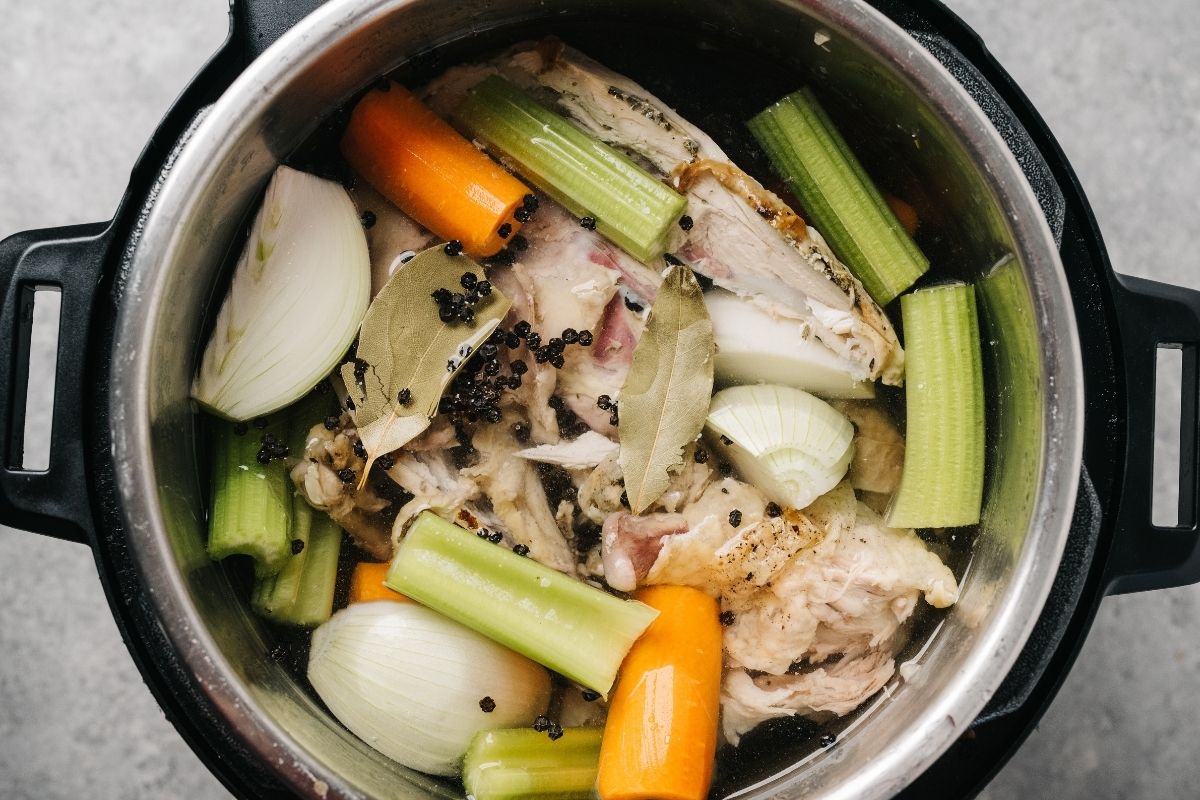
81,88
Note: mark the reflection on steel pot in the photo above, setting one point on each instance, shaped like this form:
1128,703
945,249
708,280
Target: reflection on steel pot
1057,532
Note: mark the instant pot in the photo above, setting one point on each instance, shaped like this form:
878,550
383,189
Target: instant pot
1071,348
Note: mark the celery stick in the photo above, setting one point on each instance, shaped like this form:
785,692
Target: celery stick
807,151
302,592
942,482
274,594
318,574
587,177
574,629
515,763
252,502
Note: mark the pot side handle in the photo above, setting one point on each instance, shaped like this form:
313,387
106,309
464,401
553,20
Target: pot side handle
53,501
1144,556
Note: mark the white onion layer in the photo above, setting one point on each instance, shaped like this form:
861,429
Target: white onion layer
298,295
791,445
408,682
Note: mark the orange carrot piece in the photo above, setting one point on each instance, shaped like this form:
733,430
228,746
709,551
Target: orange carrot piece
415,159
661,734
905,213
366,584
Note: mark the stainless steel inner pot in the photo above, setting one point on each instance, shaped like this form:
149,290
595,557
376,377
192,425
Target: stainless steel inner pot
1030,344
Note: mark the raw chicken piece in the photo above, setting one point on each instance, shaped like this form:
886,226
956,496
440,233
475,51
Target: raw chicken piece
601,369
743,236
392,235
517,496
327,452
538,384
436,485
849,595
585,452
826,691
630,544
570,283
878,447
600,493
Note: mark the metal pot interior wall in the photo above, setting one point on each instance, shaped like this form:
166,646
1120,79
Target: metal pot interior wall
718,65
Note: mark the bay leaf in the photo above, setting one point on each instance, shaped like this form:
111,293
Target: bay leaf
404,345
666,395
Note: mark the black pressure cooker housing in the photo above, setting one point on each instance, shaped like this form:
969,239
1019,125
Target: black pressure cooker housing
1121,321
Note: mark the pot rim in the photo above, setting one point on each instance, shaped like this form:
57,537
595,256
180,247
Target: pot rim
1018,606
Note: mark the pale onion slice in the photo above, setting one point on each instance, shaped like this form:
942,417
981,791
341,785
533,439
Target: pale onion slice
790,445
298,295
753,347
409,682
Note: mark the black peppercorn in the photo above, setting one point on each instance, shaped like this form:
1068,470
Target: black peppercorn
512,341
557,361
331,423
440,296
585,338
773,510
522,215
686,222
735,517
385,462
701,455
532,340
453,248
589,223
555,732
541,723
570,336
367,218
521,550
484,288
447,314
518,367
522,328
404,396
504,231
530,203
297,546
468,280
359,449
604,402
727,618
347,475
495,537
487,705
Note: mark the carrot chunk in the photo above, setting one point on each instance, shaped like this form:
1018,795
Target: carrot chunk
366,584
661,734
431,172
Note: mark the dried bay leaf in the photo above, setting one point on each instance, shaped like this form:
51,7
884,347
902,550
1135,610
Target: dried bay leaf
403,345
666,395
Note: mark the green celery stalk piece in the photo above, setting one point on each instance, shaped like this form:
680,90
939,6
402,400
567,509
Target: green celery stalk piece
633,208
318,578
302,592
942,482
814,160
564,624
274,594
521,762
251,502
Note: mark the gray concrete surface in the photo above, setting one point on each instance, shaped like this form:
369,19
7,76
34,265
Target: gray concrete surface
81,88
